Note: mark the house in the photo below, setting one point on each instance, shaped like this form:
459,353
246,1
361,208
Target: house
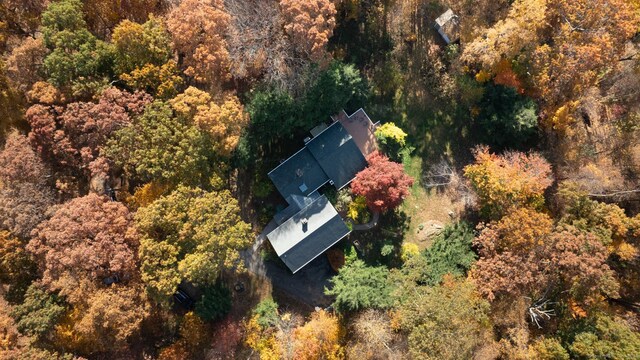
448,25
310,225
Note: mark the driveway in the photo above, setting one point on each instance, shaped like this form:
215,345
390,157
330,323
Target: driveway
306,286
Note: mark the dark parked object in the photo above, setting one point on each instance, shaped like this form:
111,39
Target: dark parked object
183,299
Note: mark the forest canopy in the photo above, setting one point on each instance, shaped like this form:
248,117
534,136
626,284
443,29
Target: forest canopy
494,215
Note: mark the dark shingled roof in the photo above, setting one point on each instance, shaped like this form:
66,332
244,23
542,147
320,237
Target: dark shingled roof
297,203
337,154
297,243
301,168
310,224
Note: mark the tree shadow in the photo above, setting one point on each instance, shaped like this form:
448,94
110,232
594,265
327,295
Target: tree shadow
382,245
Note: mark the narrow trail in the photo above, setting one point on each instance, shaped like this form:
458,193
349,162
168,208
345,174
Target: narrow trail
251,256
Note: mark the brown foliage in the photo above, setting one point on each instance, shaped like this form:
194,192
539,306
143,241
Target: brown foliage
373,337
72,137
113,315
309,24
86,240
19,163
103,16
227,336
22,16
24,197
25,62
524,255
258,44
23,206
198,28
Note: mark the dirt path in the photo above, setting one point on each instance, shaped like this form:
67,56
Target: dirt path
251,256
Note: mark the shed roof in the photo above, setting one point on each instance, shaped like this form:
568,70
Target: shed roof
297,243
447,25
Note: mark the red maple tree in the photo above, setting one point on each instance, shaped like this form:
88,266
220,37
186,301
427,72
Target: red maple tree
384,183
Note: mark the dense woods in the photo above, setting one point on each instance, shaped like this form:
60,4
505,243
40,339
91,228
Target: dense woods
498,218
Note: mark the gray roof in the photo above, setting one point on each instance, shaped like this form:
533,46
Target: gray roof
447,25
298,172
332,155
297,243
337,154
296,203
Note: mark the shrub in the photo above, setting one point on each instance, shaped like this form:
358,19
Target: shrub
215,303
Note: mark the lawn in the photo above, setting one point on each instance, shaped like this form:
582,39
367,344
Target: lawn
426,207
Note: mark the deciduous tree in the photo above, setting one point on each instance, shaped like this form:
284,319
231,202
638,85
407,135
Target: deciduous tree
160,146
19,163
259,46
112,316
511,179
374,338
76,56
85,241
383,183
448,321
11,102
588,37
198,28
508,37
189,234
318,338
73,137
224,121
103,16
24,196
23,206
17,269
163,82
608,222
524,255
310,24
39,312
606,337
137,45
24,64
22,16
391,140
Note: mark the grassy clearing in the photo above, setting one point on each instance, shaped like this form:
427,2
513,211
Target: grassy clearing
423,205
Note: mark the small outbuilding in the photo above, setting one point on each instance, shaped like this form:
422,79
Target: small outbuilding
448,26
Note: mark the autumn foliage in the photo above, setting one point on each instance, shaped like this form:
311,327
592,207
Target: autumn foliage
511,179
198,28
85,241
73,136
525,254
384,183
310,25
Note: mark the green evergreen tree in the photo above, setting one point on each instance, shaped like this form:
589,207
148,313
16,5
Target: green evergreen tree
358,286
